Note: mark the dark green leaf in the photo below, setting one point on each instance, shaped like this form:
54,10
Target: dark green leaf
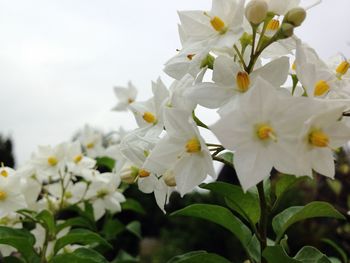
227,156
12,259
199,257
112,228
133,205
291,215
124,257
105,162
221,216
20,239
76,222
253,249
276,254
246,204
311,255
284,183
337,248
135,228
47,220
80,236
81,255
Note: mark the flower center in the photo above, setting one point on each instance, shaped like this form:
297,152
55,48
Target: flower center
193,145
218,24
52,161
149,117
143,173
265,132
90,145
242,81
68,195
4,173
273,25
130,100
78,158
190,56
321,88
102,193
3,196
318,138
343,68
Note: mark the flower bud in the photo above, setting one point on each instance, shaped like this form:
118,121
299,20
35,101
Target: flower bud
256,11
129,175
286,31
295,16
169,179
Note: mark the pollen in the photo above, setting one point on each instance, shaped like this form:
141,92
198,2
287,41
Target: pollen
294,66
190,56
343,68
90,145
218,24
265,132
3,196
243,81
149,117
143,173
4,173
193,145
78,158
273,25
321,88
318,138
52,161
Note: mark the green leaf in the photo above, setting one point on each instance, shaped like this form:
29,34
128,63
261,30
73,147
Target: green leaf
253,249
276,254
105,162
337,248
135,228
311,255
285,183
80,236
47,220
81,255
20,239
124,257
12,259
291,215
198,257
246,204
75,222
221,216
133,205
112,228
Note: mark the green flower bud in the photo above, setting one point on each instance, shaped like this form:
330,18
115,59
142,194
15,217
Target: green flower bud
295,16
285,31
256,11
129,174
208,62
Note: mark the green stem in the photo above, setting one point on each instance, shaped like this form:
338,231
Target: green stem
46,243
263,216
239,54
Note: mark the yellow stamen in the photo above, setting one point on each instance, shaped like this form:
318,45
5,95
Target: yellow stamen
243,81
343,68
52,160
130,101
193,145
90,145
190,56
265,132
273,25
318,138
78,158
4,173
68,195
321,88
218,24
3,196
143,173
294,66
149,117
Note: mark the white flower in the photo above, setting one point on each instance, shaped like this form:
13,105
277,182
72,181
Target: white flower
220,27
231,81
92,141
73,193
322,133
104,194
11,197
125,96
181,152
262,131
76,161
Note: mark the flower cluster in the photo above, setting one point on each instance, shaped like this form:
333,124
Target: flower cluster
279,104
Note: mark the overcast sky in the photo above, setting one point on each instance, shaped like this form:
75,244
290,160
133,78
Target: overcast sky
59,59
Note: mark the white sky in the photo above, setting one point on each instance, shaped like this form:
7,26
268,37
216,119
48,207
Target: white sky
59,59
